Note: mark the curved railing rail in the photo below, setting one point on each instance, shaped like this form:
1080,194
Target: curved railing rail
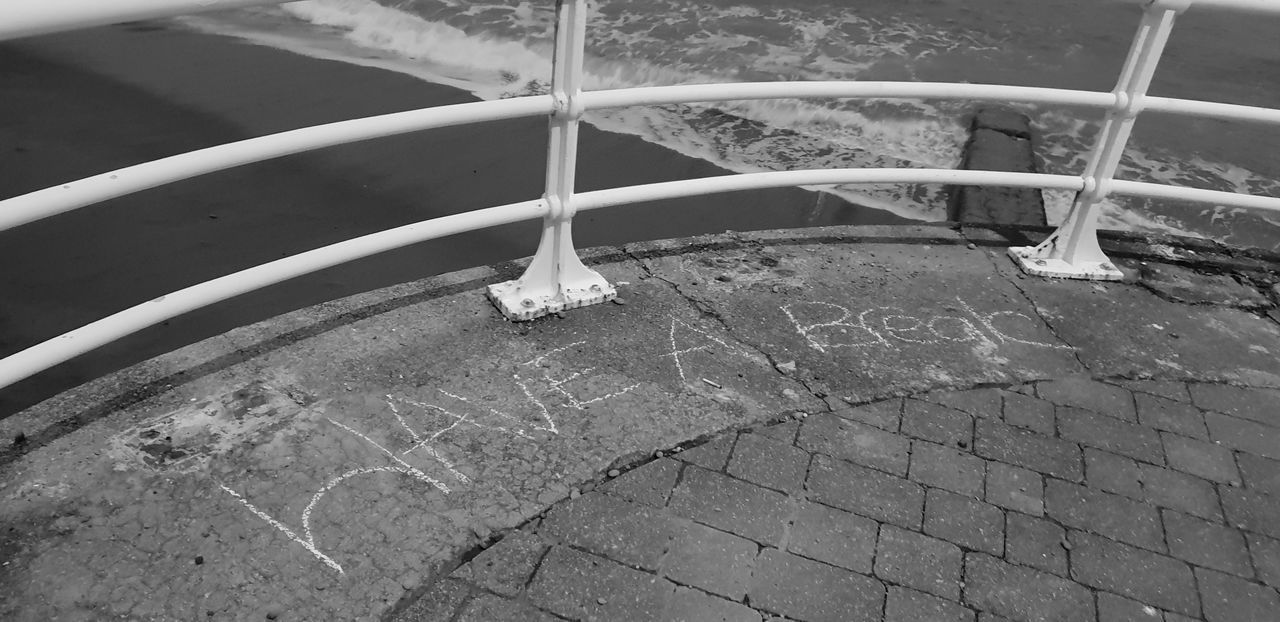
556,279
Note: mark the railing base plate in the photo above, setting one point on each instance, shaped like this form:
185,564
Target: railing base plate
1025,257
519,307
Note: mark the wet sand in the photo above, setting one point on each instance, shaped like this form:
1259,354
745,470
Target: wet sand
83,103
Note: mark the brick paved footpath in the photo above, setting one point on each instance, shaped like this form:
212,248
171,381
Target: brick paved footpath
1065,500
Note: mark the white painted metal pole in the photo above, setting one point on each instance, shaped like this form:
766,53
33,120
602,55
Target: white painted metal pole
26,18
72,195
556,279
65,347
1072,250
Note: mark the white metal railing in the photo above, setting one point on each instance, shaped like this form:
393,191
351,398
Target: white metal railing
556,279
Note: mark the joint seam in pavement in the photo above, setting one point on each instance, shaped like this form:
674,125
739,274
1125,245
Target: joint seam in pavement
708,309
1075,352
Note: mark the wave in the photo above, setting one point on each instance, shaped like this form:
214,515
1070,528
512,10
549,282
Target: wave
503,48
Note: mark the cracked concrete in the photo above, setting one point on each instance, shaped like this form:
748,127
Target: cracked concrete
335,462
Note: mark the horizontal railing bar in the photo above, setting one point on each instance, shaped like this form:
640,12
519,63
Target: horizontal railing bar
1197,195
26,18
66,197
688,93
60,349
1215,110
821,177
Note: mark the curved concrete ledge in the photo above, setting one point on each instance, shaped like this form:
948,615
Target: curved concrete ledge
333,462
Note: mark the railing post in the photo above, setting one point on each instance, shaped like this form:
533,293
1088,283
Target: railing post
557,279
1072,250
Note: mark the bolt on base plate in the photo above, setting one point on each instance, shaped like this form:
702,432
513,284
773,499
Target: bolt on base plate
1025,257
519,306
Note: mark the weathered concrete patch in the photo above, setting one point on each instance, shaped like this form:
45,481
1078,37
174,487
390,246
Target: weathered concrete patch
1124,331
1185,285
187,438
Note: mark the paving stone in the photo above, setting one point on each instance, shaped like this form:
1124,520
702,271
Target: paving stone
1231,599
1172,489
1035,542
856,442
731,505
1207,544
939,424
866,492
1261,405
807,590
491,608
906,605
713,454
712,560
1112,473
886,414
649,484
1015,488
439,603
1247,436
1202,458
1260,474
1251,511
1022,593
1004,443
784,432
964,521
688,605
1266,558
627,532
1101,398
1169,389
918,561
579,585
1141,575
1104,513
834,536
1107,433
769,463
947,468
505,567
1031,413
1112,608
1165,414
976,402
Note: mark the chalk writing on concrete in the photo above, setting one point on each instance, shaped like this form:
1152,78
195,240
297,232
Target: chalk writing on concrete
534,379
308,538
686,339
826,326
539,370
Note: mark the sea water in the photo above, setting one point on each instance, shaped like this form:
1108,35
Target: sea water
502,48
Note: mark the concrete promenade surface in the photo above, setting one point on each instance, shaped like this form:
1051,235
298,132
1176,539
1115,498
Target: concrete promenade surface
834,424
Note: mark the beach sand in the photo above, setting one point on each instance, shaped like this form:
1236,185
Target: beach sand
79,104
